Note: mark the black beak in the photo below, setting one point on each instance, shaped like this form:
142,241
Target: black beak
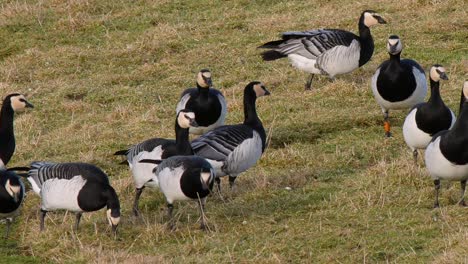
16,197
443,76
380,20
266,91
114,230
209,82
393,49
193,122
28,104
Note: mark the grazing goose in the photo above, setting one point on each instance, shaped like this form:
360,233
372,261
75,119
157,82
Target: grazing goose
184,178
233,149
326,51
398,84
158,149
208,104
447,154
11,104
11,196
77,187
426,119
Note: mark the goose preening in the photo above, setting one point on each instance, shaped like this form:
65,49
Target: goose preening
207,103
326,51
427,119
184,178
158,149
398,84
11,196
12,103
233,149
77,187
446,155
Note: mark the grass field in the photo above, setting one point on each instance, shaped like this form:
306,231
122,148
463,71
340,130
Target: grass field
106,74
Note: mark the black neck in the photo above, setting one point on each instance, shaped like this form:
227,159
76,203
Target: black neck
202,90
182,141
435,93
367,43
250,112
6,120
112,199
462,102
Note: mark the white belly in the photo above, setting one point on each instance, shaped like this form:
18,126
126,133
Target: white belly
440,168
303,63
143,172
169,183
59,194
414,137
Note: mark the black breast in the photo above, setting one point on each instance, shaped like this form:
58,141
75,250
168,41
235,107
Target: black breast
91,196
207,108
433,118
395,82
454,147
190,180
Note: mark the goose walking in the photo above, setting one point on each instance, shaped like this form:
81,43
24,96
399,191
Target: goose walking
158,149
12,103
184,178
11,196
426,119
326,51
398,84
77,187
233,149
446,155
207,103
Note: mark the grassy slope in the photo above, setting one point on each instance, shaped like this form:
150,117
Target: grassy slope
106,74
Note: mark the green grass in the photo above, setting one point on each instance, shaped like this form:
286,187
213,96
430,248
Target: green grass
106,74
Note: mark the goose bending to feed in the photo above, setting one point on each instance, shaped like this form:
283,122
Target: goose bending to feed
77,187
11,196
446,155
233,149
12,103
427,119
158,149
326,51
398,84
207,103
184,178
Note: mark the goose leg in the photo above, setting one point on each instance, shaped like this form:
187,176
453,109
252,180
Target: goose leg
218,184
232,179
136,212
8,225
437,188
78,218
201,203
462,199
43,214
308,85
170,208
415,156
387,124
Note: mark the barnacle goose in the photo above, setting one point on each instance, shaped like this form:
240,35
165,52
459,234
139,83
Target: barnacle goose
426,119
77,187
446,155
326,51
11,104
11,196
398,84
158,149
184,178
232,149
207,103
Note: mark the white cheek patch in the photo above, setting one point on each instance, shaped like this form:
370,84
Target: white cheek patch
205,176
393,41
115,220
465,89
259,90
16,104
369,20
207,74
435,76
201,81
183,121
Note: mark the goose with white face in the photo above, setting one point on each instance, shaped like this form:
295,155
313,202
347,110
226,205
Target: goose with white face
19,103
394,45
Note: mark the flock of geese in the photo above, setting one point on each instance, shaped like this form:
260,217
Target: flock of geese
185,170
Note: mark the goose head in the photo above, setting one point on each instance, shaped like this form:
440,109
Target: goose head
204,79
186,119
17,102
437,73
206,178
113,217
13,187
258,88
394,45
370,18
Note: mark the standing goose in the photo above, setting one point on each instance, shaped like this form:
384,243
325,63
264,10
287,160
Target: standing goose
398,84
11,196
447,154
77,187
233,149
11,104
208,104
158,149
184,178
326,51
426,119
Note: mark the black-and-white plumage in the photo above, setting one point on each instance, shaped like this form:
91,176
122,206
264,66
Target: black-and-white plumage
398,84
11,104
427,119
326,51
158,149
185,178
446,155
77,187
232,149
207,103
11,196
